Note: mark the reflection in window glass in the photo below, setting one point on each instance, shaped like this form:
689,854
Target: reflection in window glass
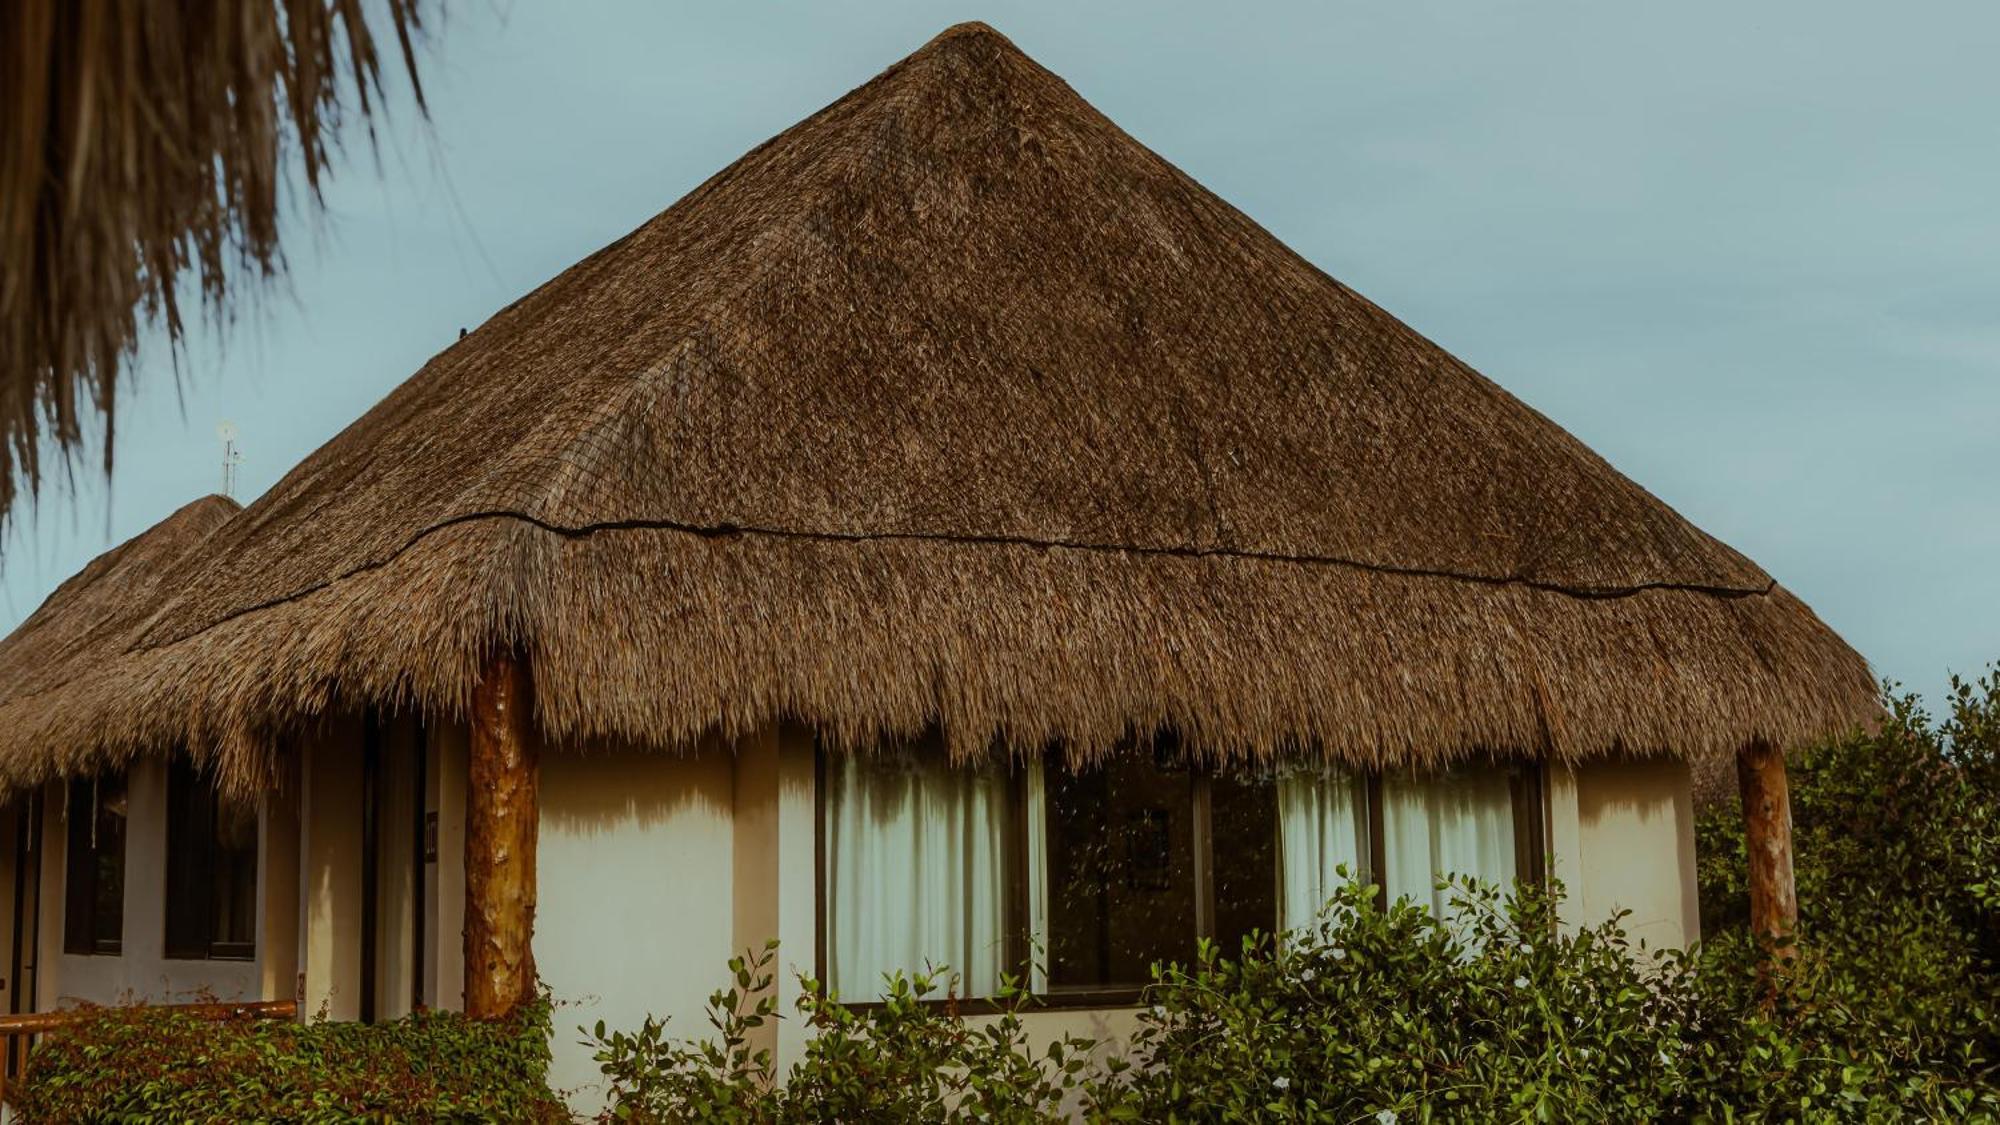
235,906
1101,872
1121,892
94,895
1243,830
211,869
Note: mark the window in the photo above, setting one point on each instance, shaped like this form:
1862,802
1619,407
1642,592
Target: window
1119,866
94,869
914,862
1138,859
211,870
1323,829
1106,869
1459,823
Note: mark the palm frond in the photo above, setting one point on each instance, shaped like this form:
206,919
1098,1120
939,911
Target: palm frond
146,144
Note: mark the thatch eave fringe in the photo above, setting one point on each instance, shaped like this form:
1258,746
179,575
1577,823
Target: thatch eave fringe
1006,648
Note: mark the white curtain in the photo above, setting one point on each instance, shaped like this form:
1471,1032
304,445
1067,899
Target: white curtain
915,871
1322,827
1038,877
1460,823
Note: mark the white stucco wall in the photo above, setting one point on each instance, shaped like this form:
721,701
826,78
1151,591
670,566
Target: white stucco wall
278,887
776,883
397,901
634,895
1637,830
1622,838
328,943
330,872
636,881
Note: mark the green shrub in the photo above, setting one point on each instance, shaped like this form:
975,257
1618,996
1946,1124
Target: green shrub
1909,813
153,1064
1376,1014
1496,1014
1394,1014
1892,1003
912,1058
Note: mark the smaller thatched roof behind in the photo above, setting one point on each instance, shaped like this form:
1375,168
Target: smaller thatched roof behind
90,620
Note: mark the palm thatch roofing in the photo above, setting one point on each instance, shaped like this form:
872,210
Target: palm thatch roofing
143,142
95,617
954,404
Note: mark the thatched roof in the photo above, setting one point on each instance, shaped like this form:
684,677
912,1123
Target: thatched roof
94,618
955,404
143,145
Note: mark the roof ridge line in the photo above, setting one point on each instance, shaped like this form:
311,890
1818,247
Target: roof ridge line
726,530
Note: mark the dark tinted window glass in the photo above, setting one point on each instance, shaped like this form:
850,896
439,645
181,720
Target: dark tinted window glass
211,869
235,907
1243,825
188,810
1121,889
79,870
94,868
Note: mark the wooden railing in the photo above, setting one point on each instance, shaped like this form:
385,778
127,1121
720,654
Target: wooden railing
37,1023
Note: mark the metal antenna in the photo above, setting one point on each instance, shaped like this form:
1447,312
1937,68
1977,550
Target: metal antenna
231,457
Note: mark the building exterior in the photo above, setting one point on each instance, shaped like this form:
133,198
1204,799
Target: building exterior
948,535
134,883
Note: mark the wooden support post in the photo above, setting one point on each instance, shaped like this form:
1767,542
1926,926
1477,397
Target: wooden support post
1767,823
502,779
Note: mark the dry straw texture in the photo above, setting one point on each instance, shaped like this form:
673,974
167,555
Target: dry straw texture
954,404
143,142
92,620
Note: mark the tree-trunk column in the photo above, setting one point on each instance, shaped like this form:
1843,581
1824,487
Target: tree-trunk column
502,778
1767,822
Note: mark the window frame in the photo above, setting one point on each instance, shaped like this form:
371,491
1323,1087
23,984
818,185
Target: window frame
205,804
1527,783
81,921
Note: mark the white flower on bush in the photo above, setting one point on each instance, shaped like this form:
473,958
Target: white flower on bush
1159,1012
1528,947
1385,1117
1520,982
1282,1082
1307,975
1337,953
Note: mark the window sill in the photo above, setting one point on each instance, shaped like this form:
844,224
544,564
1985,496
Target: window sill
239,958
1110,999
1131,997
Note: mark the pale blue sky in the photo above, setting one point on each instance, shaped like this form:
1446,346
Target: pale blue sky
1748,253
